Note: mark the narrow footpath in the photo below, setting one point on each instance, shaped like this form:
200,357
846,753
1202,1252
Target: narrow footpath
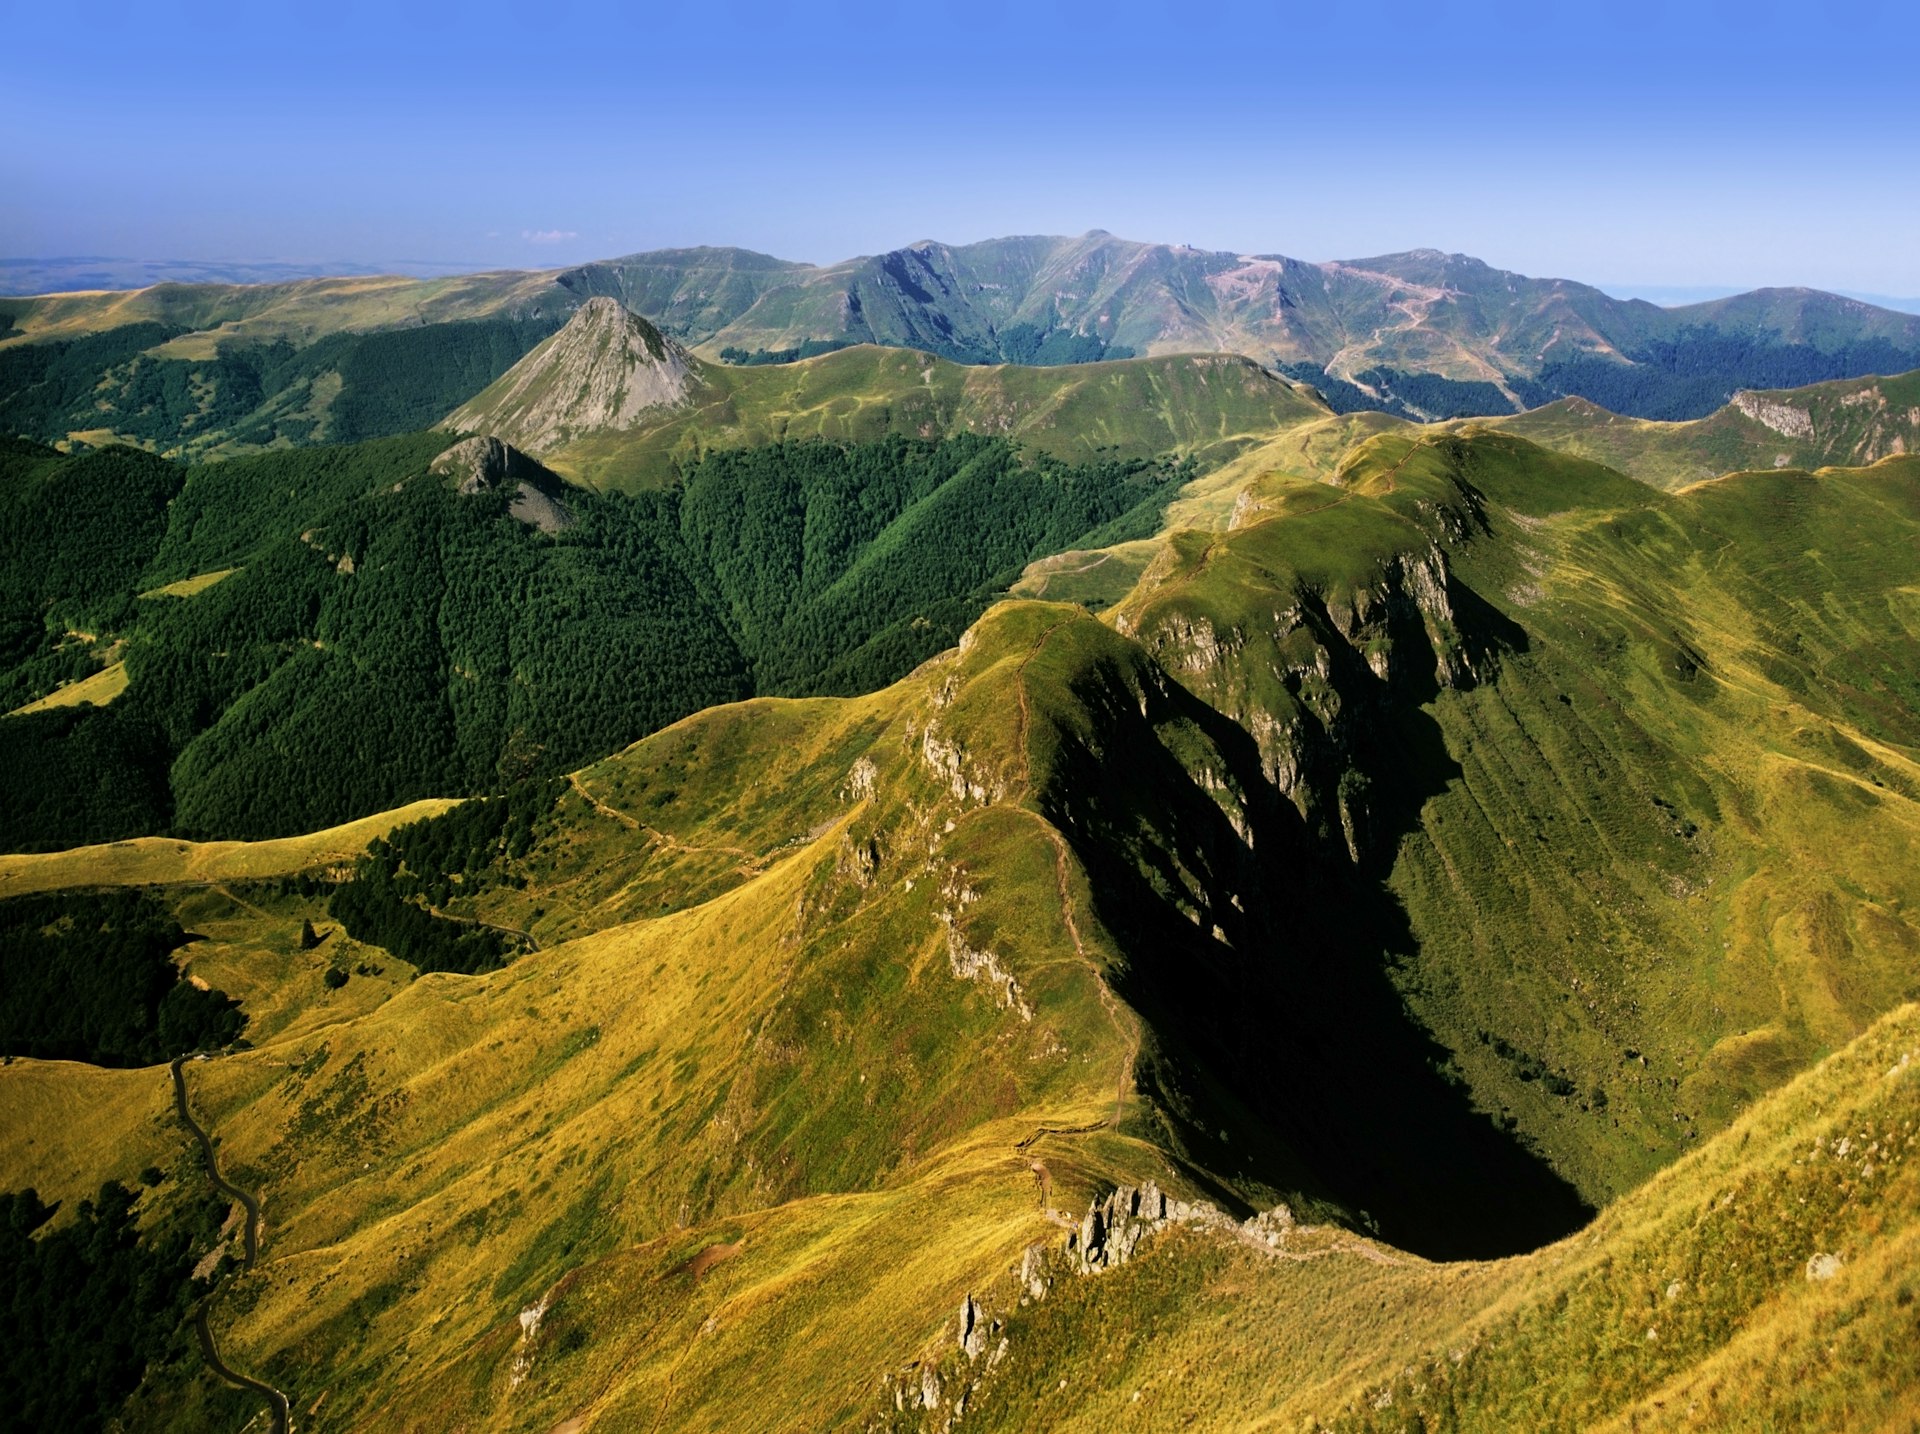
280,1409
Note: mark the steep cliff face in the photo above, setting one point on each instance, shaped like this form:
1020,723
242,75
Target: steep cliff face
1309,626
1237,792
1314,684
606,370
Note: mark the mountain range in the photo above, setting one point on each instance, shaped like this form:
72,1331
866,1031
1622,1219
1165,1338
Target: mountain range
1423,334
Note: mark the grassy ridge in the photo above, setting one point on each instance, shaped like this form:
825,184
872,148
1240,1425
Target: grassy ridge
1850,422
1207,408
1687,1304
1587,752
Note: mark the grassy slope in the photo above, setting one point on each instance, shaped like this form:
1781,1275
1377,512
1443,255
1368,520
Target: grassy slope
507,1106
1686,1305
161,861
1847,422
1209,407
298,311
1217,500
99,690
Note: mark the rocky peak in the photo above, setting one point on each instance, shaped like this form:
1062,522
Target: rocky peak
608,369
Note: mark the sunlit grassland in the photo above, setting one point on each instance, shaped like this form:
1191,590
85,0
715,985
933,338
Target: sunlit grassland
65,1127
1222,498
1641,772
187,587
247,943
165,861
1656,864
298,311
1848,421
437,1163
99,690
1687,1304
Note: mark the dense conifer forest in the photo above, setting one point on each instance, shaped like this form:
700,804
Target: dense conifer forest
91,1305
381,638
89,976
259,393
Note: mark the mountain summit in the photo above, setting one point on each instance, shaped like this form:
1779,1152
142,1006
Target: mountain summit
606,369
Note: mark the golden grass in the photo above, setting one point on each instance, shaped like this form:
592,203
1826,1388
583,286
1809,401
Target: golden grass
66,1127
247,943
98,690
747,1031
187,587
164,861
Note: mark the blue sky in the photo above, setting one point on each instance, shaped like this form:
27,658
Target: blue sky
1711,144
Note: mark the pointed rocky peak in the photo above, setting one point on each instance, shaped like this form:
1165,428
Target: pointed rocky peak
607,369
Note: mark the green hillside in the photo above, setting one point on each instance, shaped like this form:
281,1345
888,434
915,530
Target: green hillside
1764,1281
1850,422
1206,408
127,384
1474,887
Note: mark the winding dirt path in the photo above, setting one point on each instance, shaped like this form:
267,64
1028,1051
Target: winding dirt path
750,863
533,942
280,1408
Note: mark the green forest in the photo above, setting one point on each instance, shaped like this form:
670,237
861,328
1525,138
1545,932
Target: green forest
257,394
89,976
384,638
389,900
93,1303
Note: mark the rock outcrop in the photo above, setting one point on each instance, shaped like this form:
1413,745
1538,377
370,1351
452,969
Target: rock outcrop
1783,418
486,465
607,370
1339,662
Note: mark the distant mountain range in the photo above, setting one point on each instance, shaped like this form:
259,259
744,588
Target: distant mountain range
1674,295
1424,335
78,273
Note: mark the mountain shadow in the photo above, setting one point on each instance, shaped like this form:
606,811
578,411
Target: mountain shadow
1279,1058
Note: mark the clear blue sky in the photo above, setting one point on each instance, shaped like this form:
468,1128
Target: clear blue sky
1729,144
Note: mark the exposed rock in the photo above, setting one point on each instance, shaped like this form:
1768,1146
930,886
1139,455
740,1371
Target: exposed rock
974,965
1114,1228
947,759
1823,1267
1033,1272
973,1335
606,370
1341,660
487,465
1782,418
530,1318
860,781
